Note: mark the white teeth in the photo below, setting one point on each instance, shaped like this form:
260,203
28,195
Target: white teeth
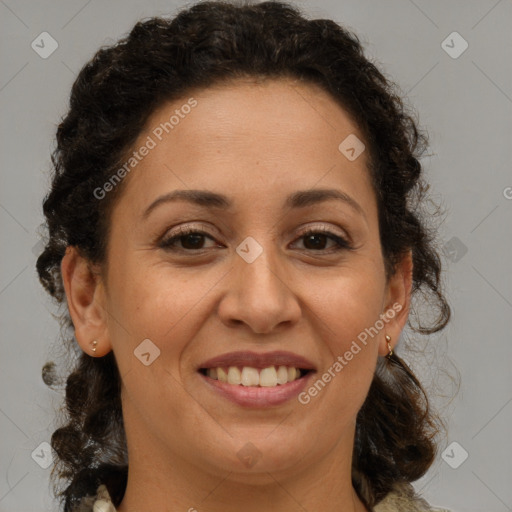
234,375
249,376
282,375
222,375
268,377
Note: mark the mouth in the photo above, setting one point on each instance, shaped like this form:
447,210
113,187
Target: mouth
250,379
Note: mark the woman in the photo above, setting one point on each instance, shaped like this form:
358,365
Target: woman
234,227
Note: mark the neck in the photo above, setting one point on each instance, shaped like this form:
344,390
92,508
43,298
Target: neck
164,481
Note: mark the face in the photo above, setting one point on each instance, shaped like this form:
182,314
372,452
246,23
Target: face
275,268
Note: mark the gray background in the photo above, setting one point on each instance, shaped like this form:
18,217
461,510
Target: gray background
465,103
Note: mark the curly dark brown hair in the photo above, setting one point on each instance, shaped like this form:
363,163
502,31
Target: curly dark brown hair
163,59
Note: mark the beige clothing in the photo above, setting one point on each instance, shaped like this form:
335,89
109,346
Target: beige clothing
401,499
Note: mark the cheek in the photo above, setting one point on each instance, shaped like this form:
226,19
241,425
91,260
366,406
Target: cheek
348,318
157,303
346,321
347,304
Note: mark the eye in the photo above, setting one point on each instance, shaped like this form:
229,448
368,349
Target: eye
317,237
191,239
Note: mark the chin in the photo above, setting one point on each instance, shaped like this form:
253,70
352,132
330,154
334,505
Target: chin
252,454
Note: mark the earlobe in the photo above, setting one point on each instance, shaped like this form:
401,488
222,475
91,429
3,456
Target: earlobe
398,299
85,299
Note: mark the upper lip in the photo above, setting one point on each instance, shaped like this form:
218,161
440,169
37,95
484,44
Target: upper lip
258,360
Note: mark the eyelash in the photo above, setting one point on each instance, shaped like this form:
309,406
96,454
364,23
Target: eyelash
168,244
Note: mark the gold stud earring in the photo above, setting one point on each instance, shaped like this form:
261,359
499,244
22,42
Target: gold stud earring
94,343
388,339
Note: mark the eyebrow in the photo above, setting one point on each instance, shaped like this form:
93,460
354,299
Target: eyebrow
299,199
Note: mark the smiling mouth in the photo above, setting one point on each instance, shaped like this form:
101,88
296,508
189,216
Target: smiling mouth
271,376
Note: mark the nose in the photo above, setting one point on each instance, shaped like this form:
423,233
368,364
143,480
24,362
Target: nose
260,295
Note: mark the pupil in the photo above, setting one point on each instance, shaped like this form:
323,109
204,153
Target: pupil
197,239
315,245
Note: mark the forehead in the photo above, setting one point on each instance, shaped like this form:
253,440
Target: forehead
254,140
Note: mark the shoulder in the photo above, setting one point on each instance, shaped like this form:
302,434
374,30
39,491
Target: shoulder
403,498
100,502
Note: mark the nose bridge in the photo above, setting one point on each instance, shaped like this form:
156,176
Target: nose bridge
262,274
259,292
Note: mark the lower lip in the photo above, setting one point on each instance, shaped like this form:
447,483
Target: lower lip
258,397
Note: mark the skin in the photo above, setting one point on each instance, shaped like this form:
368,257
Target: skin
256,143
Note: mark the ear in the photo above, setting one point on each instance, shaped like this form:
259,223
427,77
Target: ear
398,301
86,302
